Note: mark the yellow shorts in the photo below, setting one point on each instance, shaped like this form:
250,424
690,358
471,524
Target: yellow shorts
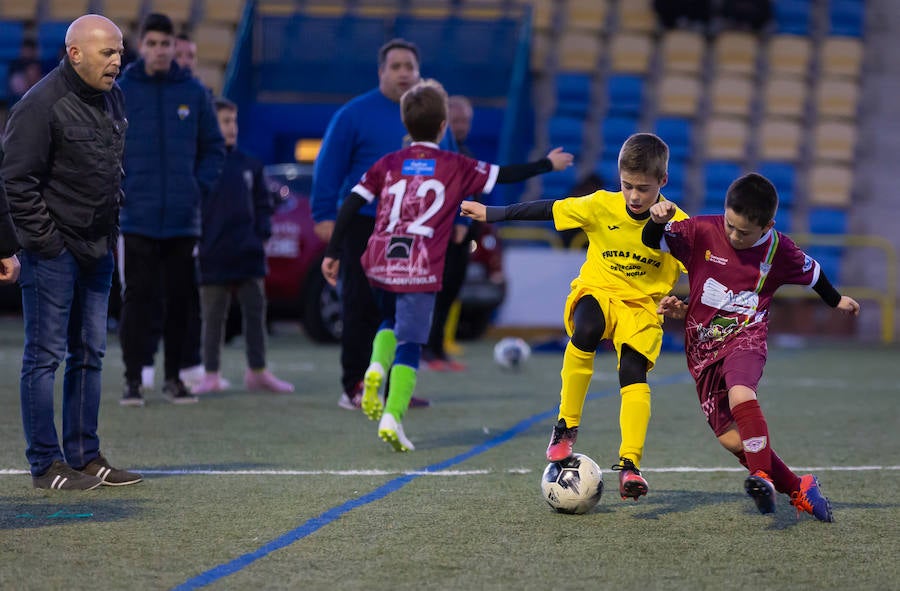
627,322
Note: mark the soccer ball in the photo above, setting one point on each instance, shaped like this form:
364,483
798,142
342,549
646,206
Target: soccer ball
573,485
511,352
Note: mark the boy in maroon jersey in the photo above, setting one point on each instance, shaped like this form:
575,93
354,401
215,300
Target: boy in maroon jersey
735,263
419,189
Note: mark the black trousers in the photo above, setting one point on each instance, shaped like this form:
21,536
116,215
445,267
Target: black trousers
358,309
159,278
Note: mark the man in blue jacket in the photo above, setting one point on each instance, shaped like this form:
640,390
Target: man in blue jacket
362,131
173,155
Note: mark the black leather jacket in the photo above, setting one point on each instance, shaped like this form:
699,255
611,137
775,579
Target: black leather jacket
62,165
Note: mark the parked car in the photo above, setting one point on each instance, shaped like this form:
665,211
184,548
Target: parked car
295,287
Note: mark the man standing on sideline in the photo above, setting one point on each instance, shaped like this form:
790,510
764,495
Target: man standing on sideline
62,170
173,155
361,132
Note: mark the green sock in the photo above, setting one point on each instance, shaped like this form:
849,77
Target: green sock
403,382
384,347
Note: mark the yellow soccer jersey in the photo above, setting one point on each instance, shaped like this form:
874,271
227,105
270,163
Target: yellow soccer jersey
617,261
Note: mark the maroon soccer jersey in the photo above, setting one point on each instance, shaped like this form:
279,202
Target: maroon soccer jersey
731,289
419,191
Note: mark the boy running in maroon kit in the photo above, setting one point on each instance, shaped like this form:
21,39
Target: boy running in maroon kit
419,189
735,263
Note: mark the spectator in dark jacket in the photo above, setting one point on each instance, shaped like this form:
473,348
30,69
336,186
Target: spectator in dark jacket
62,170
173,156
9,242
236,223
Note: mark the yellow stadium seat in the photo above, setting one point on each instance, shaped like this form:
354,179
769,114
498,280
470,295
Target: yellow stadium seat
682,51
430,8
789,55
66,10
122,12
842,56
18,10
590,16
314,8
830,185
543,15
735,52
678,94
482,10
835,141
578,51
785,97
214,42
212,75
540,46
731,95
376,8
837,98
630,52
223,11
726,138
177,10
780,139
636,15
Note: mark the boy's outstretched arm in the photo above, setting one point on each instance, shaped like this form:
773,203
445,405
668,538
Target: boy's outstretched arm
331,263
830,296
556,159
660,214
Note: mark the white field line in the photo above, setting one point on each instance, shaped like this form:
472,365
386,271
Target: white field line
446,473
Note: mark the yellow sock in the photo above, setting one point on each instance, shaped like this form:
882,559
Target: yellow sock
634,416
577,371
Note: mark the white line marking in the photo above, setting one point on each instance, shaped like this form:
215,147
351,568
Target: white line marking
680,469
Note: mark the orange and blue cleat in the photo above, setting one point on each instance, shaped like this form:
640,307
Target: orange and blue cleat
810,499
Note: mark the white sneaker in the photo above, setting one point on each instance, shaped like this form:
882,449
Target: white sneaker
147,375
391,431
352,400
192,376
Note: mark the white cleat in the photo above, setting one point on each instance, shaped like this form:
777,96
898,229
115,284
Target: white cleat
391,431
371,404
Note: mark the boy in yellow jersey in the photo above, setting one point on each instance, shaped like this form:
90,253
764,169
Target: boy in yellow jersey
615,296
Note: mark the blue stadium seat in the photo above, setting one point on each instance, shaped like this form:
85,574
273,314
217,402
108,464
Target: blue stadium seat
625,94
607,168
827,220
674,189
847,17
784,220
573,94
567,132
555,185
793,16
51,39
783,175
613,133
829,258
717,176
676,132
11,35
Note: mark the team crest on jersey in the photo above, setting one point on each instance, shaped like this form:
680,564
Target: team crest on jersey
184,112
754,444
764,268
400,247
710,257
807,264
418,167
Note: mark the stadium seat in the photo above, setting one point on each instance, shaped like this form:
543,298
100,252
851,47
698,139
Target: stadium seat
780,139
567,132
613,133
793,16
625,94
735,52
678,94
784,176
314,8
486,10
637,16
18,10
682,51
540,51
214,42
178,10
785,97
827,220
376,8
430,8
123,12
674,189
726,138
543,15
847,17
573,94
558,184
607,168
11,35
830,185
717,177
829,259
841,57
676,131
223,11
789,55
578,51
211,74
784,219
837,98
834,140
65,10
51,39
731,95
630,53
590,16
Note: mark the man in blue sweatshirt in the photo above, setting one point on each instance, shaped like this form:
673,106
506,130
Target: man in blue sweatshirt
361,132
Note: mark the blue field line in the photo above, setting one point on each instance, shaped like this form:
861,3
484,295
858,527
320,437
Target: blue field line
331,515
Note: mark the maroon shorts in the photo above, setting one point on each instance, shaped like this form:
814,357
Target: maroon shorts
738,368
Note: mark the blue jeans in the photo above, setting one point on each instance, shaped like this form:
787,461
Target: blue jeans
64,305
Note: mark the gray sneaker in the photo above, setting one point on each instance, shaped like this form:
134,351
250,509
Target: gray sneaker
61,476
108,475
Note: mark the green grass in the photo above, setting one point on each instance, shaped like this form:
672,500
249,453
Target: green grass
828,408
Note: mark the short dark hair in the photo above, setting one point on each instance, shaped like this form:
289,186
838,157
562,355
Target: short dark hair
645,153
157,22
184,37
397,43
423,108
754,197
222,104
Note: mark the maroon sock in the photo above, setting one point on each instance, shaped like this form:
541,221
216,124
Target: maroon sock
754,432
783,478
742,458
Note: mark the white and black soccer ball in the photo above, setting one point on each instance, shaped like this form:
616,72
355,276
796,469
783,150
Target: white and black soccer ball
511,352
573,485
